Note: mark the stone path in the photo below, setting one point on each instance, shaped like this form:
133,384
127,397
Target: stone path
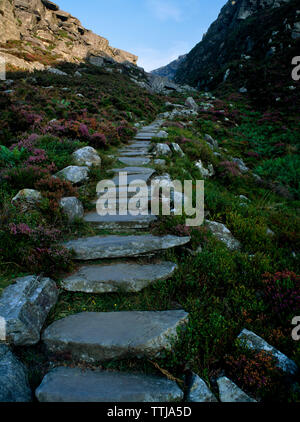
96,337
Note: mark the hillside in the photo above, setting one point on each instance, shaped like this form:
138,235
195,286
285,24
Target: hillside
122,307
250,45
170,70
36,33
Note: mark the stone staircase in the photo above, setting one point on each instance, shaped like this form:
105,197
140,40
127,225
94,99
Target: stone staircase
93,337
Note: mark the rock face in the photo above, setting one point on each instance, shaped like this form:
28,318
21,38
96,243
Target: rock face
76,386
14,385
72,207
170,70
101,247
108,278
231,393
103,336
162,150
222,233
198,391
25,306
254,342
74,174
232,35
40,24
86,156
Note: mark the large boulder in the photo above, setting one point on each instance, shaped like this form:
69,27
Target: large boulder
24,306
74,174
72,207
14,385
86,156
56,71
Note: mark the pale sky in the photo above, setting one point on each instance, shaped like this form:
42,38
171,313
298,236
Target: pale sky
157,31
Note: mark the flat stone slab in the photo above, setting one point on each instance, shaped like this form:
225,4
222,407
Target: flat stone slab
135,170
98,337
133,179
74,385
102,247
134,153
109,278
14,385
256,343
134,161
24,306
116,222
139,144
145,135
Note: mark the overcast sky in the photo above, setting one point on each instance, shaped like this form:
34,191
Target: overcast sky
157,31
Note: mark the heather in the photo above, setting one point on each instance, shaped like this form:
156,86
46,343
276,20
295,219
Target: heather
256,287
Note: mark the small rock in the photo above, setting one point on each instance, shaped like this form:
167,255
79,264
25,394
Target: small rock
74,174
213,144
27,198
25,306
270,232
162,150
241,165
86,156
205,173
222,233
162,134
191,104
57,71
254,342
199,392
14,387
72,207
231,393
176,148
78,74
160,162
243,90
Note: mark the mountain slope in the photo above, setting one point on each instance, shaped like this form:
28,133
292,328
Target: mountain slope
35,33
247,37
170,70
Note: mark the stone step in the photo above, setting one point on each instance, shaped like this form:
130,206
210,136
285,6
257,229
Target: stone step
97,337
102,247
134,161
139,144
135,170
145,135
135,153
118,222
133,179
74,385
108,278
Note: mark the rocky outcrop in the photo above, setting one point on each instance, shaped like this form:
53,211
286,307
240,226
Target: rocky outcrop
170,70
35,33
244,30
